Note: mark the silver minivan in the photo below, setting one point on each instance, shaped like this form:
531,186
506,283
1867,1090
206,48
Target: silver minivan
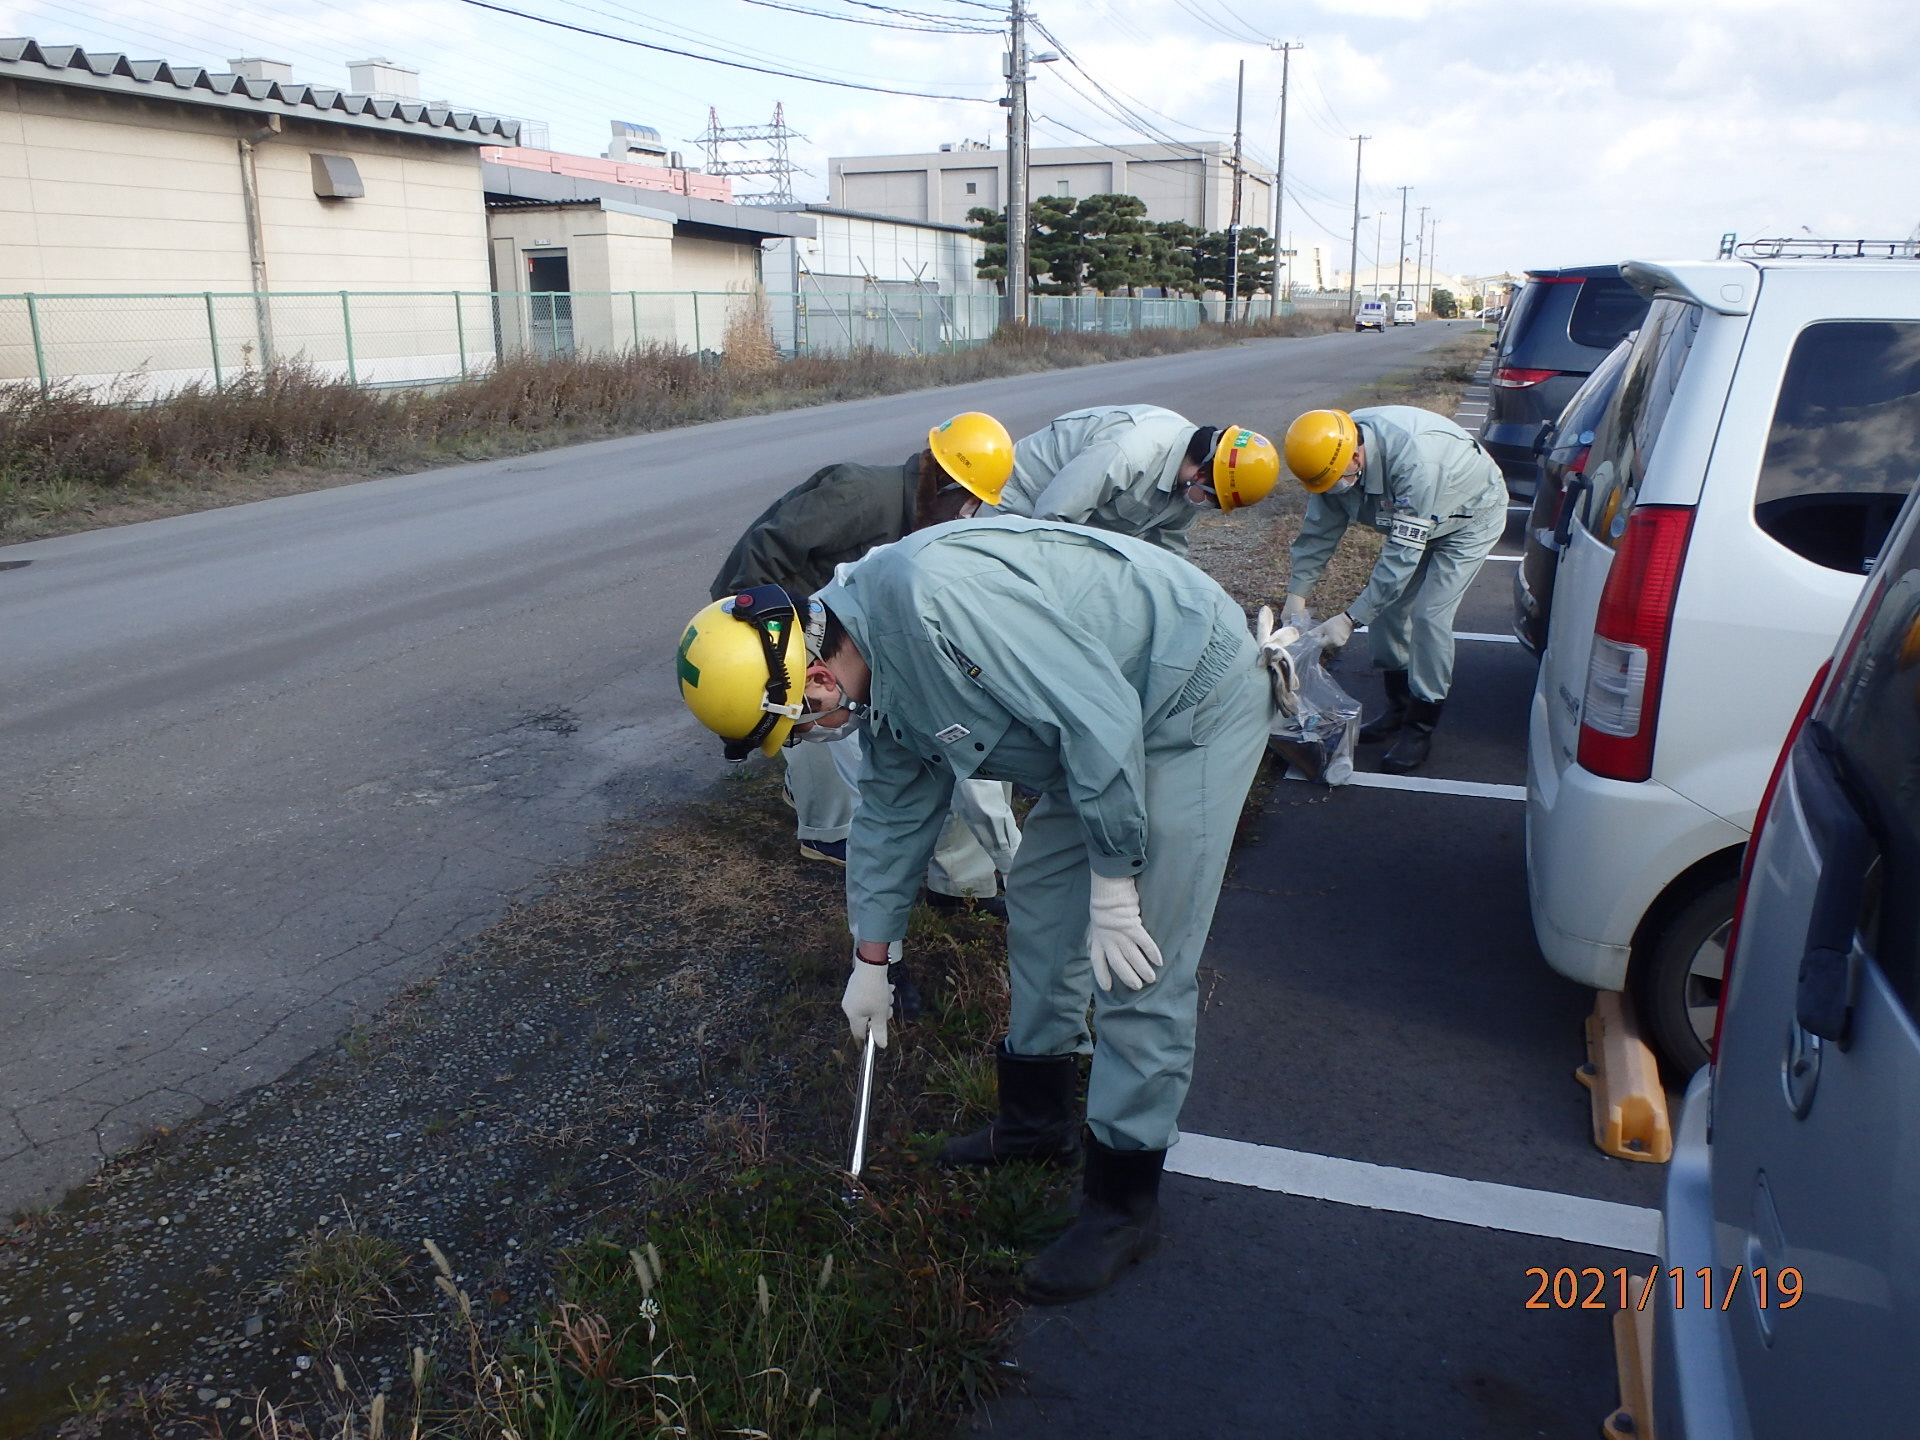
1791,1212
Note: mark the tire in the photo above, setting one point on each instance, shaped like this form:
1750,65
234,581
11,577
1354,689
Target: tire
1678,973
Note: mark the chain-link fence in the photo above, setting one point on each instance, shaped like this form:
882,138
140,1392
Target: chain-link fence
137,347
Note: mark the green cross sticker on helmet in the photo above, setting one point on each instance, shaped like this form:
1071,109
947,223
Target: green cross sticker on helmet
688,671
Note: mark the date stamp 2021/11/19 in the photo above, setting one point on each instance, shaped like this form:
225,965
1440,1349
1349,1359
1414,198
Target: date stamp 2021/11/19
1597,1289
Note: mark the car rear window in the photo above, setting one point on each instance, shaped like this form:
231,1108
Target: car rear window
1607,309
1845,441
1624,440
1874,722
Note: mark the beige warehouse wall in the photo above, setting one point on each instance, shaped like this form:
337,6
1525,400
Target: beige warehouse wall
700,264
101,194
107,193
421,225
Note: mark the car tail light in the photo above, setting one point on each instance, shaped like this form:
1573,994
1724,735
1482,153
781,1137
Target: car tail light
1629,656
1759,822
1509,377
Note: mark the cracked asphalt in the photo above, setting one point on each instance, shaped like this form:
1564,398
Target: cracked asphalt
262,767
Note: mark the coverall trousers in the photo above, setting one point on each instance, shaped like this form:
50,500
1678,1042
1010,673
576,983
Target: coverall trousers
824,783
1199,764
1415,632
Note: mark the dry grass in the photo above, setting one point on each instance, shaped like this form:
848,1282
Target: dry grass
340,1284
73,459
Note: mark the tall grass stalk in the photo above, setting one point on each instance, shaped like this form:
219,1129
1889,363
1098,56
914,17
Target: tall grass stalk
72,452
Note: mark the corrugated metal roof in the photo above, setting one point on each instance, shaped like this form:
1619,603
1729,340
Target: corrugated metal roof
102,70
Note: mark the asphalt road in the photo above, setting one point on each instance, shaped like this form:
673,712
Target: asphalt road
1373,994
264,766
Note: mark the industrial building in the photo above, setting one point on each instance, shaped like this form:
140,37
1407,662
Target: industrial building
1193,183
121,176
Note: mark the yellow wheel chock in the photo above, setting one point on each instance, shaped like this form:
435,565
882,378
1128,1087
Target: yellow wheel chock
1629,1103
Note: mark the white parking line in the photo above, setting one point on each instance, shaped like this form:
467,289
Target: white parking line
1604,1223
1485,635
1425,785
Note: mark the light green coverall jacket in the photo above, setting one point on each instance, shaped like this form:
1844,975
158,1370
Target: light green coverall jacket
1440,504
838,514
1112,467
1118,681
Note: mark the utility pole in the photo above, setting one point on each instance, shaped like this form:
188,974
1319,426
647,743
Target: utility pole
1353,254
1233,224
1400,278
1433,243
1420,259
1280,169
1015,310
1379,217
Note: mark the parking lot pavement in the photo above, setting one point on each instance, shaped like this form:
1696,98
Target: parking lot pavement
1372,993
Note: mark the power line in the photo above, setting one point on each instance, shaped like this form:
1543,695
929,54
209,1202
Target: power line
881,24
630,15
1124,109
716,60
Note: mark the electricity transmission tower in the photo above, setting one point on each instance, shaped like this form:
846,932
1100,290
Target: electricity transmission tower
776,164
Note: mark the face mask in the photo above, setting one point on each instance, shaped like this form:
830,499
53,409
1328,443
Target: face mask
1341,486
818,734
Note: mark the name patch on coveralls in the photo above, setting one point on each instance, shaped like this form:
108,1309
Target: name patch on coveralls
951,734
1411,530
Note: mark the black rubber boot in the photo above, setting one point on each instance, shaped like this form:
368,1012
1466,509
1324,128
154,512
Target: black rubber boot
1039,1114
1118,1223
1410,751
1387,723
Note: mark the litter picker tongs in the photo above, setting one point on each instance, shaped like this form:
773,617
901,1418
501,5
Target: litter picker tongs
866,1105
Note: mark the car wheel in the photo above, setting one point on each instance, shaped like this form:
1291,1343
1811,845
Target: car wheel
1680,972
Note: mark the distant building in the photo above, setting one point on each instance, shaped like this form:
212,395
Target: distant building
1193,183
121,175
877,281
639,169
851,251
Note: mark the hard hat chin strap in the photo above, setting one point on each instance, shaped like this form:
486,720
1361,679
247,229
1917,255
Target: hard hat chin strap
771,613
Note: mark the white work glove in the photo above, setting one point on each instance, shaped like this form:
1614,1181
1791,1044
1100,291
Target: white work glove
1333,632
1279,662
1117,941
1295,612
868,999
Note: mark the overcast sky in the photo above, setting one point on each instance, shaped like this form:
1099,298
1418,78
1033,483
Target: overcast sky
1536,132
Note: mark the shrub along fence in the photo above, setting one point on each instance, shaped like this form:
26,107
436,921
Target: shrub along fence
144,346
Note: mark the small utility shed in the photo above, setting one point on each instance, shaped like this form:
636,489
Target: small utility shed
627,262
121,176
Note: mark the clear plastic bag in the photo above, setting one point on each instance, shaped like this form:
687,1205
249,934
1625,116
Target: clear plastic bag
1317,722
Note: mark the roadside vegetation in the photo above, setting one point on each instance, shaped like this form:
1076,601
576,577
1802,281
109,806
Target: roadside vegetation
587,1182
74,459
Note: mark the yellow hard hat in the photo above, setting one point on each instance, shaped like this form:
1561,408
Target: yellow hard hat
977,451
743,669
1245,468
1320,446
